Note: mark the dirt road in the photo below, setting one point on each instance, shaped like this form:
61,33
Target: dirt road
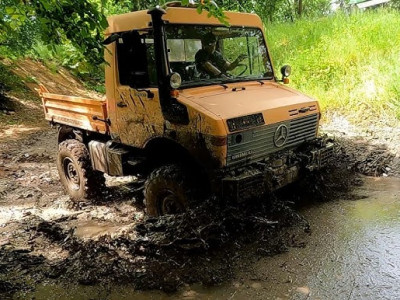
352,253
48,242
274,247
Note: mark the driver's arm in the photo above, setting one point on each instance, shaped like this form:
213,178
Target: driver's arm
207,64
227,66
211,69
233,65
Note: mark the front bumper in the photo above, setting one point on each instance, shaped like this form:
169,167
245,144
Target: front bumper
276,172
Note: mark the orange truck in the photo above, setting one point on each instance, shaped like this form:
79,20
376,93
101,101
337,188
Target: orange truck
192,106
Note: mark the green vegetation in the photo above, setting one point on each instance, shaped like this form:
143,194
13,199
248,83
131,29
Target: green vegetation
349,62
10,81
68,56
54,22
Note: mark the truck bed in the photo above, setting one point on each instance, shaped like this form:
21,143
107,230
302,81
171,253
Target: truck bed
74,111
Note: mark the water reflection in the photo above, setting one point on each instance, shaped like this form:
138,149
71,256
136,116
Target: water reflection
363,262
352,253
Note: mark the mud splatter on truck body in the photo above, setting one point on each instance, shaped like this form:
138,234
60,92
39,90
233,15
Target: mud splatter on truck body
236,134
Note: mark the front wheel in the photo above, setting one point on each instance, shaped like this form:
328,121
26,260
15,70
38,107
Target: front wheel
168,191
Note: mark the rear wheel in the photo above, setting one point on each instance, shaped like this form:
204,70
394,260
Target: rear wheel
168,190
76,173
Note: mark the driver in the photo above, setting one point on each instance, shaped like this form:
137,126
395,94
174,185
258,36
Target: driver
211,62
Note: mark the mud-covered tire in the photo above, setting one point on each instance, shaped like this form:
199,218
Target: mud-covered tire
76,173
168,190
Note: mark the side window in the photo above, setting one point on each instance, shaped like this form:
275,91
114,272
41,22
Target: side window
175,50
135,55
181,55
183,50
191,48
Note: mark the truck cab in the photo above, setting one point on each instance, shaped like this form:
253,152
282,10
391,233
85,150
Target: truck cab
236,132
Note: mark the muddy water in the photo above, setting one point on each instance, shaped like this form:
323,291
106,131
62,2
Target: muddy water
352,253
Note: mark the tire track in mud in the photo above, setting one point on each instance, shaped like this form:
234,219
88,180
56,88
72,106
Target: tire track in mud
207,245
210,244
195,247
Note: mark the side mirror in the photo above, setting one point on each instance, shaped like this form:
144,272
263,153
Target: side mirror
285,71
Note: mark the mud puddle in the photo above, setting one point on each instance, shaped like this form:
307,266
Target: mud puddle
351,253
51,246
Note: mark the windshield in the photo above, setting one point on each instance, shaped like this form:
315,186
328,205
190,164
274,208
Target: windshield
205,55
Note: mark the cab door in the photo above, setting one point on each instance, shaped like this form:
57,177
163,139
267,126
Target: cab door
137,105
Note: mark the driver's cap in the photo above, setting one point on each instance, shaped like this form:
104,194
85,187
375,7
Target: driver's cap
209,38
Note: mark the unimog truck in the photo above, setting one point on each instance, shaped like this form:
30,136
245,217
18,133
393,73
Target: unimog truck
236,135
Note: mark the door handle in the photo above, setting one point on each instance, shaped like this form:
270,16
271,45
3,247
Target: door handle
121,104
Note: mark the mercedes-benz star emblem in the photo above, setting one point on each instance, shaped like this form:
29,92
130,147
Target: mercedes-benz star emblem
281,135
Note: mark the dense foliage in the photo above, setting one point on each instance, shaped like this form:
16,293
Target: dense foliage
345,59
22,23
54,22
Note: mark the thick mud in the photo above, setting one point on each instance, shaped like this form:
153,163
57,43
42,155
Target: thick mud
45,238
317,239
351,253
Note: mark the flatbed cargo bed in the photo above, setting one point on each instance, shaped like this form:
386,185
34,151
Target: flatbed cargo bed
74,111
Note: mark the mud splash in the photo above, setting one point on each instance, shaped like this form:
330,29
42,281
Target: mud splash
164,254
207,245
46,238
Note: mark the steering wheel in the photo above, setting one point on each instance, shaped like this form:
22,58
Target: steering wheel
243,71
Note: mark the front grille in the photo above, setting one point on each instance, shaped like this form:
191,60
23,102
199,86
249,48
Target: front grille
302,129
256,144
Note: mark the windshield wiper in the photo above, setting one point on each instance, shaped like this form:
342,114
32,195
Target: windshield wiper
207,81
221,81
245,78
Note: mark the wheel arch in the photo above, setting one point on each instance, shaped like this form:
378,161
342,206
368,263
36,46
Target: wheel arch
67,133
165,150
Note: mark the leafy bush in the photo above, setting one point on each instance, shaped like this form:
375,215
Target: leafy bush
71,58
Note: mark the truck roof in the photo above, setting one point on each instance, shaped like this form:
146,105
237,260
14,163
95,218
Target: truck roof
139,20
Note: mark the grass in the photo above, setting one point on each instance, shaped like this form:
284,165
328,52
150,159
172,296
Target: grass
24,104
9,81
351,63
68,56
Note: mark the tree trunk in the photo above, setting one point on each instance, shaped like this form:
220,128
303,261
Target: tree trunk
300,8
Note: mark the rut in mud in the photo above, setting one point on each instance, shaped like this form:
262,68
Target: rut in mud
44,236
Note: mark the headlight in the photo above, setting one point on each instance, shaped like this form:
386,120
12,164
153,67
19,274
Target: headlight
286,70
175,80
